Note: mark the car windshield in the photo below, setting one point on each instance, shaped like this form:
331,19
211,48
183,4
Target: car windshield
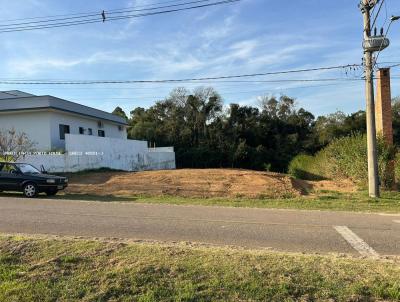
25,168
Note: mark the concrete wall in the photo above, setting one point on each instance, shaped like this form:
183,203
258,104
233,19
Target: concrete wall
90,152
36,124
74,163
162,149
76,121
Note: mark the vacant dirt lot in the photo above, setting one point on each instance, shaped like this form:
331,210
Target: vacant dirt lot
197,183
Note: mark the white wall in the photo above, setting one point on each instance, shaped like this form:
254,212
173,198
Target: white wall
36,124
90,152
162,149
75,121
42,127
138,162
107,145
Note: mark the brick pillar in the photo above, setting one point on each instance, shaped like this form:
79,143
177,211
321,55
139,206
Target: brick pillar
383,106
383,118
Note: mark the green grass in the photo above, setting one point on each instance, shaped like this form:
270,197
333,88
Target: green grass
329,201
357,202
324,201
49,269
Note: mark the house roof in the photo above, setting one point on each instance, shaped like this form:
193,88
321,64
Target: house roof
13,94
16,100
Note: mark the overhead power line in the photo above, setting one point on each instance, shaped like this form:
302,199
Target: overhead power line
91,12
96,14
382,46
377,14
205,81
99,19
91,82
230,92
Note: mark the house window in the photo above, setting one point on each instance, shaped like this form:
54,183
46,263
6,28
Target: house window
101,133
90,131
64,129
81,130
120,128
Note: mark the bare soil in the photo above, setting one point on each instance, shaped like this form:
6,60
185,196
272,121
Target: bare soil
198,183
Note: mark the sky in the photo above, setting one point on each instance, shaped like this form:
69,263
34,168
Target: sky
249,36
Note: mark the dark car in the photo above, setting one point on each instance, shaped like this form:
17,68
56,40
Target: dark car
29,180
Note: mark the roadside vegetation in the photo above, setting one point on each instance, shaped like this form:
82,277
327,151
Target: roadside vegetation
346,158
51,269
227,187
263,137
221,187
324,201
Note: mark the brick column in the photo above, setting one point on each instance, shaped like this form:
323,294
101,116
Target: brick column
383,106
383,118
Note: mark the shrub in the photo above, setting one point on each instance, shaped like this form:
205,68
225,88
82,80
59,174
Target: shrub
303,167
397,168
345,158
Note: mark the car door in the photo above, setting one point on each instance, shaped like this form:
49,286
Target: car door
2,177
11,177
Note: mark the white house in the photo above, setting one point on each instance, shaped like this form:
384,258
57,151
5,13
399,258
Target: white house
88,138
46,119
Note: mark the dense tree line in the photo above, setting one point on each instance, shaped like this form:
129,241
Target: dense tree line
206,134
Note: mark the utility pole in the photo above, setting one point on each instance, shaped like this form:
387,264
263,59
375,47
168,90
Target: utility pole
373,176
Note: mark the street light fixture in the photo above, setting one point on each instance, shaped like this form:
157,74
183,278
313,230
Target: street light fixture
394,18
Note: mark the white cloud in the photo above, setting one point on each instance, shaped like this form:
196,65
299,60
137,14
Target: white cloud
37,66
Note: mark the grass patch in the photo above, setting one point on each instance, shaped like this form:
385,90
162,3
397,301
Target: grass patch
329,201
324,201
360,202
40,269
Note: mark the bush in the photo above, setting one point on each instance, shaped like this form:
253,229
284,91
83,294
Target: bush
345,158
397,168
303,167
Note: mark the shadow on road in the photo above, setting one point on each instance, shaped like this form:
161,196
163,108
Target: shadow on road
105,198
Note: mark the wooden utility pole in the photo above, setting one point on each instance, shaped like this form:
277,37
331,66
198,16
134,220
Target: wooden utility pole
373,176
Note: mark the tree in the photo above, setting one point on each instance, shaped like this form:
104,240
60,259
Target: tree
329,127
338,125
120,112
13,144
265,137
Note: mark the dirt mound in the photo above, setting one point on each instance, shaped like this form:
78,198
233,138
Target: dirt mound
190,183
344,186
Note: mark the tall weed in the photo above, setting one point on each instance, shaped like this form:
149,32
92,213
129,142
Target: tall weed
345,158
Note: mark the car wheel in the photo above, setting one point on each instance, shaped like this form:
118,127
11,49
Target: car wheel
51,192
30,190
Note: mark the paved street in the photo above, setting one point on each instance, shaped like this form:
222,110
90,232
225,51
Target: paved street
370,235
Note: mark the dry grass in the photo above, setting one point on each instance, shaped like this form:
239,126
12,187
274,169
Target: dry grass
51,269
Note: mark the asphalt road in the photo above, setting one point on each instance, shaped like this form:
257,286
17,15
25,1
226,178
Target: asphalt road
370,235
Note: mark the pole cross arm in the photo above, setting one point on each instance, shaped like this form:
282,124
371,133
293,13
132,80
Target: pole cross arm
367,5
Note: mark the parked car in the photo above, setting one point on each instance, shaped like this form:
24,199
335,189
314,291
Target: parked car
30,181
